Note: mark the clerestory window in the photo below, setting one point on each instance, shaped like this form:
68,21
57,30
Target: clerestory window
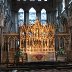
43,16
32,15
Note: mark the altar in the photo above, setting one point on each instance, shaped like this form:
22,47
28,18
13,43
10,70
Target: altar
38,41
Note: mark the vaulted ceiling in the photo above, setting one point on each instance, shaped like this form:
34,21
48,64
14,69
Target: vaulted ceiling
49,5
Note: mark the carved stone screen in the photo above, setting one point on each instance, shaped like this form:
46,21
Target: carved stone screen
38,42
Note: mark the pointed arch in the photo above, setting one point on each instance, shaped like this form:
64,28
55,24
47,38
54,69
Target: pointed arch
32,15
43,16
21,10
20,16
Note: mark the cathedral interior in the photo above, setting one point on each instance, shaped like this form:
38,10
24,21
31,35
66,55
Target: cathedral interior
33,31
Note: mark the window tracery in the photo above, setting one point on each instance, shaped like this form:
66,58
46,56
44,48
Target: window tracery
43,16
32,15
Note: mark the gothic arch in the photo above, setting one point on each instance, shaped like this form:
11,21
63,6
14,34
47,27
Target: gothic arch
20,16
32,15
43,16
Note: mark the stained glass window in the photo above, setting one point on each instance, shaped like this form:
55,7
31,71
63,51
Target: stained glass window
20,16
32,15
43,16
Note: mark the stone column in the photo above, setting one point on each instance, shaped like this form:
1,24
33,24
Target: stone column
1,44
50,18
59,42
54,18
64,42
47,16
12,26
7,59
16,21
39,15
27,17
15,44
67,48
67,40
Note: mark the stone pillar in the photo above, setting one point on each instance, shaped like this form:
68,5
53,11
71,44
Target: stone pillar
67,49
50,18
47,17
15,44
67,40
54,18
39,15
1,32
16,22
7,60
58,42
1,45
64,43
27,17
